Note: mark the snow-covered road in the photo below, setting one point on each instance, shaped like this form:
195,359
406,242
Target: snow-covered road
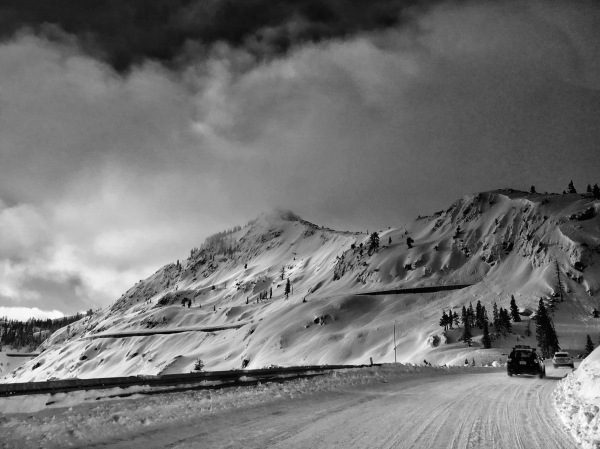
466,410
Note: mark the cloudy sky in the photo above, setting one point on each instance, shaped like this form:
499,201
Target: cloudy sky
129,132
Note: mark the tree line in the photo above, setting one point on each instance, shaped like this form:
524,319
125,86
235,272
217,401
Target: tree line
593,191
31,333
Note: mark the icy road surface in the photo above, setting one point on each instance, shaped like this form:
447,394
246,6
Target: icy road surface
461,411
387,407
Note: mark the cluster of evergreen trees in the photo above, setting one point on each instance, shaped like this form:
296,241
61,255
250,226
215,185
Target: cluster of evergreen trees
594,191
221,243
501,322
31,333
470,319
449,320
264,295
477,318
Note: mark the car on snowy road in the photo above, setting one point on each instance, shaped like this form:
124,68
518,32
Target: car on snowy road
562,359
524,360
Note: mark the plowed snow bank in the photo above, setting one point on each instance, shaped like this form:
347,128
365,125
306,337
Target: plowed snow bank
577,399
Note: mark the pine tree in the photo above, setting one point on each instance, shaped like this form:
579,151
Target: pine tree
589,188
282,271
571,187
496,319
409,242
484,315
444,320
464,317
479,315
532,190
486,341
589,346
287,288
373,242
528,328
596,191
471,315
505,321
199,366
455,319
545,333
467,337
541,320
514,310
558,280
553,345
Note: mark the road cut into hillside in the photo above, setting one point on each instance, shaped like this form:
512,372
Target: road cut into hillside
463,410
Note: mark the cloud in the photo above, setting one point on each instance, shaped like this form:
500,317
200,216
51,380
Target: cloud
466,98
129,32
23,313
106,176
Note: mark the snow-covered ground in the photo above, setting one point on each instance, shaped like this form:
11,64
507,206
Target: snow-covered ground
8,364
577,399
84,417
391,406
503,242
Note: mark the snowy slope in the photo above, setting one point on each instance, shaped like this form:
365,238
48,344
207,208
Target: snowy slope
502,242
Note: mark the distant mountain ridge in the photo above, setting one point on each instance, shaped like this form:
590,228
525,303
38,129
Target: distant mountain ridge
502,243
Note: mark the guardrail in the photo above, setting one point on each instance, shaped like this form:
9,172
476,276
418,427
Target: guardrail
226,377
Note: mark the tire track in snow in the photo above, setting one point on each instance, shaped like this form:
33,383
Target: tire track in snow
487,411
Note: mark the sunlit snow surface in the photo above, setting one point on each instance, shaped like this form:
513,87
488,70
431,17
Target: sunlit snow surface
577,399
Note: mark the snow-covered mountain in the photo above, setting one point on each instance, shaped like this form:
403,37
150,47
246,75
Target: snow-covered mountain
501,243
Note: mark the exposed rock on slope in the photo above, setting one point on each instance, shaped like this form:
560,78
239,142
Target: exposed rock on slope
502,242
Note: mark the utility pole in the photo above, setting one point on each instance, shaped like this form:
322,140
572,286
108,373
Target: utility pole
395,360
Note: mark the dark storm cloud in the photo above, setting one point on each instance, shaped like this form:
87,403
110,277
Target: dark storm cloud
126,32
107,175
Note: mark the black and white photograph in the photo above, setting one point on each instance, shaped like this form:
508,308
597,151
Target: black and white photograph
293,224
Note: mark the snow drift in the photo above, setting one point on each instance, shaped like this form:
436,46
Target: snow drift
577,399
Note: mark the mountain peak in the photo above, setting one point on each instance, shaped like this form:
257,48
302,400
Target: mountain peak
283,214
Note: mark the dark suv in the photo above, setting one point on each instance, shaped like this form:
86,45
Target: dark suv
524,360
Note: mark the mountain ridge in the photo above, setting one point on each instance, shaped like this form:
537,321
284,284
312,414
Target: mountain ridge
502,243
